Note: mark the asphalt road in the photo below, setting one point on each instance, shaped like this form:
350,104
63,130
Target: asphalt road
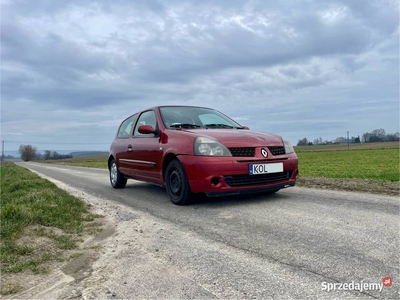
284,245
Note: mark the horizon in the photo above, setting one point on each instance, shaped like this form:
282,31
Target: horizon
15,153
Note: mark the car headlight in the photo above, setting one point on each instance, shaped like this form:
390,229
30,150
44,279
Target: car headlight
209,147
288,147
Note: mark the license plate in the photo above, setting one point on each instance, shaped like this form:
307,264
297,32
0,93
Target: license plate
255,169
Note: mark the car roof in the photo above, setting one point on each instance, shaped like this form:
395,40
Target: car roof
182,106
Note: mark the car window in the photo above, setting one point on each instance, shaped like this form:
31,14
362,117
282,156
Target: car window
212,119
146,118
195,117
126,127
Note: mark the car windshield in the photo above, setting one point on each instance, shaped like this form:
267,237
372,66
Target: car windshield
195,117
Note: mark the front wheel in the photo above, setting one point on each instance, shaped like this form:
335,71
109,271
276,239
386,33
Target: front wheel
118,180
177,184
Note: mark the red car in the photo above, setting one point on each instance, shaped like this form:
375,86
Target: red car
199,150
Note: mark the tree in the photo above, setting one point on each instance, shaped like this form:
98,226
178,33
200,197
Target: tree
365,137
47,154
341,140
27,152
318,141
391,137
55,155
377,135
302,142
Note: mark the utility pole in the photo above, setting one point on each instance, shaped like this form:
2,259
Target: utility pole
348,141
2,150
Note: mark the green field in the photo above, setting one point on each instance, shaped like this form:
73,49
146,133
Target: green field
382,164
34,209
378,161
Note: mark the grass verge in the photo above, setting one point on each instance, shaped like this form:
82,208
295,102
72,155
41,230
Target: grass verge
38,222
380,187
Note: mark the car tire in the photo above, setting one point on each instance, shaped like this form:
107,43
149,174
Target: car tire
177,184
117,179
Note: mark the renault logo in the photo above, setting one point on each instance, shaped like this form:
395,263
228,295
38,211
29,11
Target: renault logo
264,152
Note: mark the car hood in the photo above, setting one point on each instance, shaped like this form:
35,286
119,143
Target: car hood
238,137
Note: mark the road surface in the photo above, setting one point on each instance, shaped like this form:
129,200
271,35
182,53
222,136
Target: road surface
293,244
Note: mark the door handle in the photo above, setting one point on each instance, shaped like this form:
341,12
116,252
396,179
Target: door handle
129,148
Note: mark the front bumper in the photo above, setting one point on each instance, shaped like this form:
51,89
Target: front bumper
218,176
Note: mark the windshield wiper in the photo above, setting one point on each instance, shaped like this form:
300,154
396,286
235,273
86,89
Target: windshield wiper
221,126
184,125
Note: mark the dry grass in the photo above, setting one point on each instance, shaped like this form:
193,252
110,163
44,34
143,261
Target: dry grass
380,187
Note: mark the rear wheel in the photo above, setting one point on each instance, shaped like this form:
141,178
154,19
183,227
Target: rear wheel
118,180
177,184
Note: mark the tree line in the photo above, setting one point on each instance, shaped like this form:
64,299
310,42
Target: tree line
375,136
28,153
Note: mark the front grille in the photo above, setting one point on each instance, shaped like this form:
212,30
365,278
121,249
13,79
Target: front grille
243,151
248,180
277,150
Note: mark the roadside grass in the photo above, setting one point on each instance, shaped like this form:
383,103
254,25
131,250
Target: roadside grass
38,222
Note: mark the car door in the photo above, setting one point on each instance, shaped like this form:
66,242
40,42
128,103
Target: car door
145,154
121,142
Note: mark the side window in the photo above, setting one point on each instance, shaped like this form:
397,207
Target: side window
146,118
126,127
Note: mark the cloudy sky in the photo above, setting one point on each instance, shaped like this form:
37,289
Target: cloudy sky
71,71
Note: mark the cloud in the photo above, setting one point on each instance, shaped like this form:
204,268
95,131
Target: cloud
266,60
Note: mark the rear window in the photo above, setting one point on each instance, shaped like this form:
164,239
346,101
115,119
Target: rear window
126,127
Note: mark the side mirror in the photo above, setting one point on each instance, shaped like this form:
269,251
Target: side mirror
246,128
146,129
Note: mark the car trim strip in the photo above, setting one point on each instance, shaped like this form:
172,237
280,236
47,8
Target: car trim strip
140,162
